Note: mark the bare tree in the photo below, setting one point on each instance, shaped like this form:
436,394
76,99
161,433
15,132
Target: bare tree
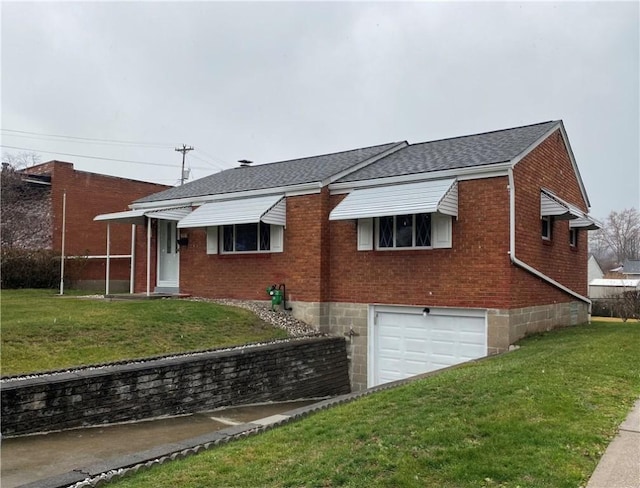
619,239
25,209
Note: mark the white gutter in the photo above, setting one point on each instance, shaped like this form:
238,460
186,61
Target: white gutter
475,172
292,190
522,264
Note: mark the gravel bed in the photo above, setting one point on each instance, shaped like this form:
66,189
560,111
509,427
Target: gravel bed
279,318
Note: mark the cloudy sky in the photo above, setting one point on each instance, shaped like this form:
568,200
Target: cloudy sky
275,81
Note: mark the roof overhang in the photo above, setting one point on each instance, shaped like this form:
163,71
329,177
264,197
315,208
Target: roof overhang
269,209
137,216
127,217
460,174
410,198
565,139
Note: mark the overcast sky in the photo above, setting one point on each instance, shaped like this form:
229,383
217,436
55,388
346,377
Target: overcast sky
276,81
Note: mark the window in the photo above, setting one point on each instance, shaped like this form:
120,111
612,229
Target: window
573,237
547,224
258,237
404,231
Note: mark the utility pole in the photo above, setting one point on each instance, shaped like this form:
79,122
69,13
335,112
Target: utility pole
184,150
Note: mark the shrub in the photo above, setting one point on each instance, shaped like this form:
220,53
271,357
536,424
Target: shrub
625,306
22,268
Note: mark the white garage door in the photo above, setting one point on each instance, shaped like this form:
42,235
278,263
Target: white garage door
405,342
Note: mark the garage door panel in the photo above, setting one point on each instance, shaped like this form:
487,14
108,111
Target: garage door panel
407,343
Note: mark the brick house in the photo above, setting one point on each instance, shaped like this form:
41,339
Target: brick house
423,255
86,194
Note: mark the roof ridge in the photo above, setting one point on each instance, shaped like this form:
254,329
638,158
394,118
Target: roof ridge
483,133
320,155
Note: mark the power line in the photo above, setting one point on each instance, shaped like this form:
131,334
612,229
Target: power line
213,165
92,139
94,157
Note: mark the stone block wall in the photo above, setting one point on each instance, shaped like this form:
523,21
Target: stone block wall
288,370
504,327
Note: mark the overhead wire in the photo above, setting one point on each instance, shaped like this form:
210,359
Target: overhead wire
94,157
24,133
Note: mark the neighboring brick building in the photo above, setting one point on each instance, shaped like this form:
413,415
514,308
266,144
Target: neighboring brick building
424,255
86,195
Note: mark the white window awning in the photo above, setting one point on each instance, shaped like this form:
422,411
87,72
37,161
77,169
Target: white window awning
411,198
137,216
270,210
126,217
586,223
175,214
552,205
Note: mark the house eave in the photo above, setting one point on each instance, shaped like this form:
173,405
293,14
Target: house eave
472,173
292,190
558,125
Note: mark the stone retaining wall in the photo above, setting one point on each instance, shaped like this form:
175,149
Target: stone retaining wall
304,368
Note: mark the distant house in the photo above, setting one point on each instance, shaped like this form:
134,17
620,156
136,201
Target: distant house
594,270
35,219
609,287
631,269
423,255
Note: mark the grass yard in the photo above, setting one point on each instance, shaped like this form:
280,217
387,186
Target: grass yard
538,417
42,331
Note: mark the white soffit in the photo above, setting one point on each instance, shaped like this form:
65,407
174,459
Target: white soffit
270,209
422,197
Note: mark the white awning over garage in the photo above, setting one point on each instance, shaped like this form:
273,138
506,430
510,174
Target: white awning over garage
422,197
270,210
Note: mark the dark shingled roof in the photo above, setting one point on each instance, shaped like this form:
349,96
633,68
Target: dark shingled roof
458,152
272,175
631,267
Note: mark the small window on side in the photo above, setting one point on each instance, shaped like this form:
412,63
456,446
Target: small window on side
547,223
573,237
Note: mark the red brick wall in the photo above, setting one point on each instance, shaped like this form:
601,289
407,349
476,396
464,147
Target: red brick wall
473,273
299,267
88,195
321,262
547,166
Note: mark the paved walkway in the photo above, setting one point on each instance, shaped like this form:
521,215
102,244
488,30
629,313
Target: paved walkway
620,465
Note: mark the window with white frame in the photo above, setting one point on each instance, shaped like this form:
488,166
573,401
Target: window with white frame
573,237
410,231
547,224
403,231
245,238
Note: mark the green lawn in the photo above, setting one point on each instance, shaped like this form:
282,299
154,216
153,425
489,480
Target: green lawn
540,416
41,330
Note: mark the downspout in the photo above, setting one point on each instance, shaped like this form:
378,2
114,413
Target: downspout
522,264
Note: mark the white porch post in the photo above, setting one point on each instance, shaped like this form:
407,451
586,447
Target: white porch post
148,255
133,259
106,284
64,232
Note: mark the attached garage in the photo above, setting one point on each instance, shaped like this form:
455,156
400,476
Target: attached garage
406,341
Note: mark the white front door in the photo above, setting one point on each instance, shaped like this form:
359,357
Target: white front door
168,256
405,341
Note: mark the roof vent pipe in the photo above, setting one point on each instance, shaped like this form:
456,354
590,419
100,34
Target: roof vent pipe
245,163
